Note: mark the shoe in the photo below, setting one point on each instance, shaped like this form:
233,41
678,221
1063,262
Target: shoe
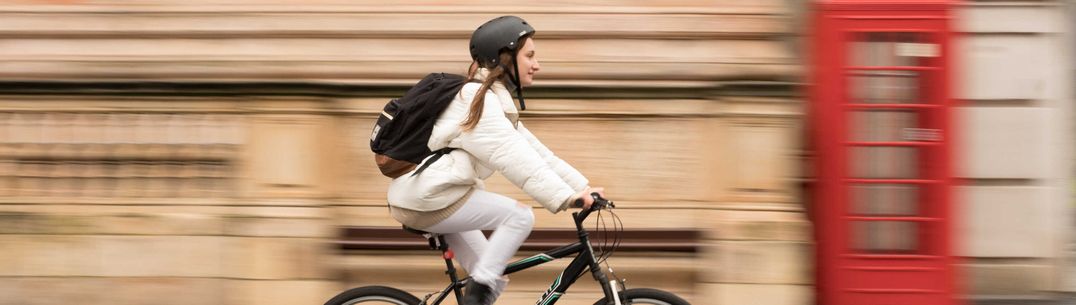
475,293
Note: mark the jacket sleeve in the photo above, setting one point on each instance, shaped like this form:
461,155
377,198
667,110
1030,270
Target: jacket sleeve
498,145
573,177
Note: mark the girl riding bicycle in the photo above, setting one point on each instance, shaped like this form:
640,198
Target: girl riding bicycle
482,123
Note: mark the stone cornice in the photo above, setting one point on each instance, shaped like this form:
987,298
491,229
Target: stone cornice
386,24
369,42
572,90
766,7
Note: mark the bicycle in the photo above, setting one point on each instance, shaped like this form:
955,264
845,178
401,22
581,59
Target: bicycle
614,290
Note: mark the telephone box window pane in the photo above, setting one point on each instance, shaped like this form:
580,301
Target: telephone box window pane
885,236
883,125
882,49
885,87
888,50
885,199
885,162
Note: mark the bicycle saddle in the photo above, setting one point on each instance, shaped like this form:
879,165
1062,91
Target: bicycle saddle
434,238
415,231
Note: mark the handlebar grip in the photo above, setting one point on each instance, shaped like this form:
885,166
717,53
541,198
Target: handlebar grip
598,202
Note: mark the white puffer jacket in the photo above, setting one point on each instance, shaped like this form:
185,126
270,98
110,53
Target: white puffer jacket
495,144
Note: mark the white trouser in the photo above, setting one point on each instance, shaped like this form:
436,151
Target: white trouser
483,259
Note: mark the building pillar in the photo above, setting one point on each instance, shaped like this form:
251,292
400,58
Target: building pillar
280,252
759,239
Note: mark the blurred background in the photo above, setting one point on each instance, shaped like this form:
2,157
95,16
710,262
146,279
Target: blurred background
760,152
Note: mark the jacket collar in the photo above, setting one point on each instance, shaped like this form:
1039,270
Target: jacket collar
503,95
507,102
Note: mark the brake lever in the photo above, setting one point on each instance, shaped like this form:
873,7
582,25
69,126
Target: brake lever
599,201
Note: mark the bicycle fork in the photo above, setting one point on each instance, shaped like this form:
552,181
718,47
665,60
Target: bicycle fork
611,288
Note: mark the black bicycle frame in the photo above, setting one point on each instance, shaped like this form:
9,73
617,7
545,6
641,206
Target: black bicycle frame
564,280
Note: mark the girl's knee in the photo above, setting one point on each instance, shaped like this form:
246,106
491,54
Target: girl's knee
524,215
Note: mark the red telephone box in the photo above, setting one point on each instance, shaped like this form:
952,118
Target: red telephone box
880,112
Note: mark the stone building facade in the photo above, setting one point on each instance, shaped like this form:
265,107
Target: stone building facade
212,152
1016,153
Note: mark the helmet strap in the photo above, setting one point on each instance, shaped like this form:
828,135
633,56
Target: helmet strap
519,87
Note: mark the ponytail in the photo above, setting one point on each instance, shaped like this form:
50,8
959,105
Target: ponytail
497,73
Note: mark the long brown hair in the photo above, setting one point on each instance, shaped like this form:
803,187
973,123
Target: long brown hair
497,73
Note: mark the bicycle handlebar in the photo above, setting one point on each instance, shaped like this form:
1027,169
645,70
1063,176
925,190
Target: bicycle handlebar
597,200
599,203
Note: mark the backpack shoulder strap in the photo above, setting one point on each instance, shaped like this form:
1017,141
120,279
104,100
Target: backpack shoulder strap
436,155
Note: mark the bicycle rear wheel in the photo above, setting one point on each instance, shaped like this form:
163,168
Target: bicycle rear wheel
374,295
649,296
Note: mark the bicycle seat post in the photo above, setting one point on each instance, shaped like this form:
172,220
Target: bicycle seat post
450,269
447,254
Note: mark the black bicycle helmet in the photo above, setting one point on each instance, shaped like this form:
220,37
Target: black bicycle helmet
495,35
498,34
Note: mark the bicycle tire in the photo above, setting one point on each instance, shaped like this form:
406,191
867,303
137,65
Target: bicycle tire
649,296
380,294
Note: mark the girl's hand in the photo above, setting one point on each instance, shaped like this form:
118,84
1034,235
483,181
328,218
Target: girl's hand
586,198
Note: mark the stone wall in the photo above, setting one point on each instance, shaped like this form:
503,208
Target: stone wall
179,152
1016,147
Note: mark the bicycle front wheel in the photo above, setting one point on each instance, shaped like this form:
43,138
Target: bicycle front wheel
648,296
374,295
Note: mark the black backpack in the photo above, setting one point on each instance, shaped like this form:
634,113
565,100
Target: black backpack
402,131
